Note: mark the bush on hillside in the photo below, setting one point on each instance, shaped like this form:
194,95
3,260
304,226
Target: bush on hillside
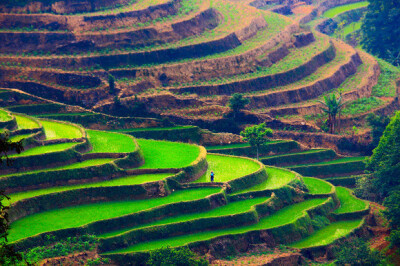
174,257
357,252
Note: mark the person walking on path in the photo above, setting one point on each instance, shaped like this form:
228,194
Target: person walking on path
212,176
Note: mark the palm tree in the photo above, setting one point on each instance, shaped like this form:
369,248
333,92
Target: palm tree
332,106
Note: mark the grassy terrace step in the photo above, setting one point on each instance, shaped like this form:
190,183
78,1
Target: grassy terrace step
348,202
44,149
87,163
122,181
296,58
165,154
317,186
57,130
24,122
328,234
67,217
331,13
108,142
19,137
227,168
229,209
277,177
299,157
346,181
4,115
129,130
337,161
282,217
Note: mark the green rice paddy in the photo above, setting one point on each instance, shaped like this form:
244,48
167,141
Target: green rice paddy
19,137
328,234
282,217
68,217
229,209
56,130
341,160
343,8
237,145
122,181
25,122
87,163
4,116
44,149
277,178
150,129
227,168
348,202
108,142
166,154
317,186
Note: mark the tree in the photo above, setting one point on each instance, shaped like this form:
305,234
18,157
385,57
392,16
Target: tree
392,213
237,103
111,84
7,254
256,135
332,106
378,124
381,31
175,257
385,160
357,252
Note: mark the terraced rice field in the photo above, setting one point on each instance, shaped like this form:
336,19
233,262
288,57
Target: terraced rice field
122,181
284,216
58,130
165,154
4,116
328,234
108,142
66,217
44,149
348,202
317,186
227,168
344,8
26,122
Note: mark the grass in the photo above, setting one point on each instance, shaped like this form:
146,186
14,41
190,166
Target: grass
282,217
362,105
4,116
348,202
68,217
237,145
87,163
19,137
317,186
56,130
25,122
328,234
289,154
277,178
166,154
229,209
386,86
227,168
341,160
122,181
343,8
104,142
44,149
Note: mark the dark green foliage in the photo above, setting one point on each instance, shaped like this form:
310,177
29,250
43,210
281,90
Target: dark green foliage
365,188
237,102
357,252
61,248
6,146
111,84
392,213
257,135
385,161
378,124
332,107
174,257
381,31
394,238
319,222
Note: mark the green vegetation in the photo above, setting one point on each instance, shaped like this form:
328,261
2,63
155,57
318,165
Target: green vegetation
104,142
357,251
122,181
44,149
386,86
227,168
19,137
229,209
317,186
343,8
348,202
257,135
165,154
149,129
328,234
25,122
66,217
284,216
177,257
341,160
87,163
4,116
362,105
277,178
58,130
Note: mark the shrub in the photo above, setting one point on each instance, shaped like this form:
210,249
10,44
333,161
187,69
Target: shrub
174,257
357,252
